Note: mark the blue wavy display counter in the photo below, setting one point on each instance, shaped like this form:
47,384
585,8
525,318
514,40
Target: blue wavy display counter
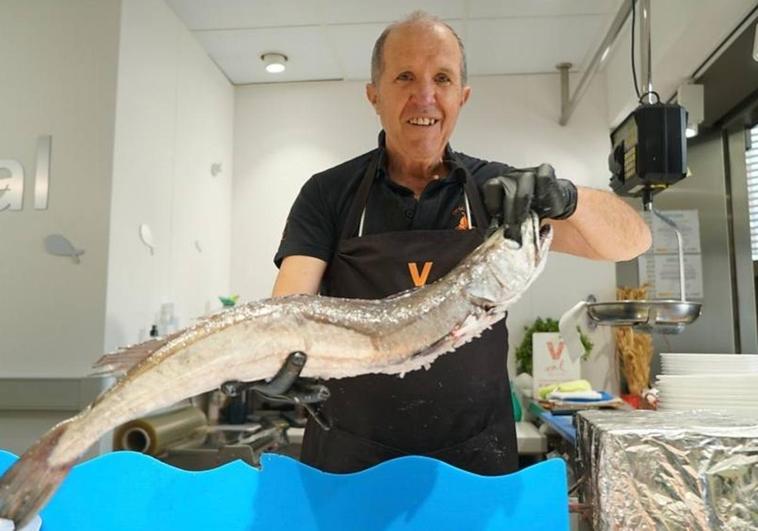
134,492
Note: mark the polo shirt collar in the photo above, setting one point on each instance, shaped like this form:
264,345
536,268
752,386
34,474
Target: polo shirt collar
457,171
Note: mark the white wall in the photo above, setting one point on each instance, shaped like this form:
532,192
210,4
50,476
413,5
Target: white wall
286,132
87,71
683,35
283,134
58,62
173,121
20,428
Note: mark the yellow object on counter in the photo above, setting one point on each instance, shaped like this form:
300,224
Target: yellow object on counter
564,387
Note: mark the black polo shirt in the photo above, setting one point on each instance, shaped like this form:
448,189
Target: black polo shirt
317,217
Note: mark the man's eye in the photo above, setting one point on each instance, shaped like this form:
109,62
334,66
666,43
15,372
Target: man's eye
442,78
405,76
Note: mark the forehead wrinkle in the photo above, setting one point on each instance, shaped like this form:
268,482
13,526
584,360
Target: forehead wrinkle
442,69
428,61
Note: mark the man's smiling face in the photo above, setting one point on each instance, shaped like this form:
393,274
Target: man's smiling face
420,92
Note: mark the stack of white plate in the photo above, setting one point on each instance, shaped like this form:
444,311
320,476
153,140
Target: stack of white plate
709,363
720,382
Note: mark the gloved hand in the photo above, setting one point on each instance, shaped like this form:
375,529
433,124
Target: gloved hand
33,525
285,386
510,197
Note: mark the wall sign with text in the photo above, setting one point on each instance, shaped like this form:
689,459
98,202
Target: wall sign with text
658,268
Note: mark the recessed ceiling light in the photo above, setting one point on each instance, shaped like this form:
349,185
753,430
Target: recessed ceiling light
275,62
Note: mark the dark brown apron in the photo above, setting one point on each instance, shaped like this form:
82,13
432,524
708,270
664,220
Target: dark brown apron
459,410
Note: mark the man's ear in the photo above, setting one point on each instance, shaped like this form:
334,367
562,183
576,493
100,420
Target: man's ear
372,95
466,94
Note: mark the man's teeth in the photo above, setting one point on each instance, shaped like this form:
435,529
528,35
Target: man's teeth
423,121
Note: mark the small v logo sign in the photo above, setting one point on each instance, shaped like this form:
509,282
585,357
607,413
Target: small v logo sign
555,353
419,279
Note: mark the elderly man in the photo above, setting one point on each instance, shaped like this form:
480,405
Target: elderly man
403,215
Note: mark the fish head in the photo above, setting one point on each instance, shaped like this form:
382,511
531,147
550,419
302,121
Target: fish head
516,264
536,238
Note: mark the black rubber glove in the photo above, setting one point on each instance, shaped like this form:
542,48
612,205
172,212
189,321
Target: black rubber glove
285,386
510,197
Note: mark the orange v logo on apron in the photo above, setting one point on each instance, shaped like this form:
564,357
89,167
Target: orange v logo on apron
419,279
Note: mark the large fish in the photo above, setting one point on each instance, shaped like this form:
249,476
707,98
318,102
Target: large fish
342,337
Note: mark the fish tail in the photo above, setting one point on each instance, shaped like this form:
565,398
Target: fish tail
31,481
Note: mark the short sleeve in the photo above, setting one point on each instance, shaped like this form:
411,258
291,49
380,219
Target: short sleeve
310,227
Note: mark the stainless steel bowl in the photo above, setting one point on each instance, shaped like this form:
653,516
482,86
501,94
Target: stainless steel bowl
662,316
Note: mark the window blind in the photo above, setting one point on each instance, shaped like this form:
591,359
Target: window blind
751,159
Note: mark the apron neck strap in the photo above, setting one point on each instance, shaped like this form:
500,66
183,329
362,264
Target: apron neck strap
480,220
361,197
357,208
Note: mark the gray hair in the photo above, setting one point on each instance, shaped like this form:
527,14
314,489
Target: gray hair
377,56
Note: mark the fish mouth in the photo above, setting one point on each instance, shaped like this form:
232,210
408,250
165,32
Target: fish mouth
544,233
543,236
533,234
545,239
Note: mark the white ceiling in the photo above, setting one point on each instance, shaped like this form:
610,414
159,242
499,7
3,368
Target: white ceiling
332,39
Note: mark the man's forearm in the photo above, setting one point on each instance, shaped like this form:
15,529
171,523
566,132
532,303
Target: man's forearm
603,227
299,274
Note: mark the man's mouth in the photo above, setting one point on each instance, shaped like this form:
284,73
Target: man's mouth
424,122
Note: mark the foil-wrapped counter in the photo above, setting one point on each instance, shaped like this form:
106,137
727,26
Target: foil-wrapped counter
673,470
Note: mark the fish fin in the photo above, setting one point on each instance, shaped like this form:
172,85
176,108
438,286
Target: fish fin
119,362
31,481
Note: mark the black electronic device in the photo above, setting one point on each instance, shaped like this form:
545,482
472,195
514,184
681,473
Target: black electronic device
649,150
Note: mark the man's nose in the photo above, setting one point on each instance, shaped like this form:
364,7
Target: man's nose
424,92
